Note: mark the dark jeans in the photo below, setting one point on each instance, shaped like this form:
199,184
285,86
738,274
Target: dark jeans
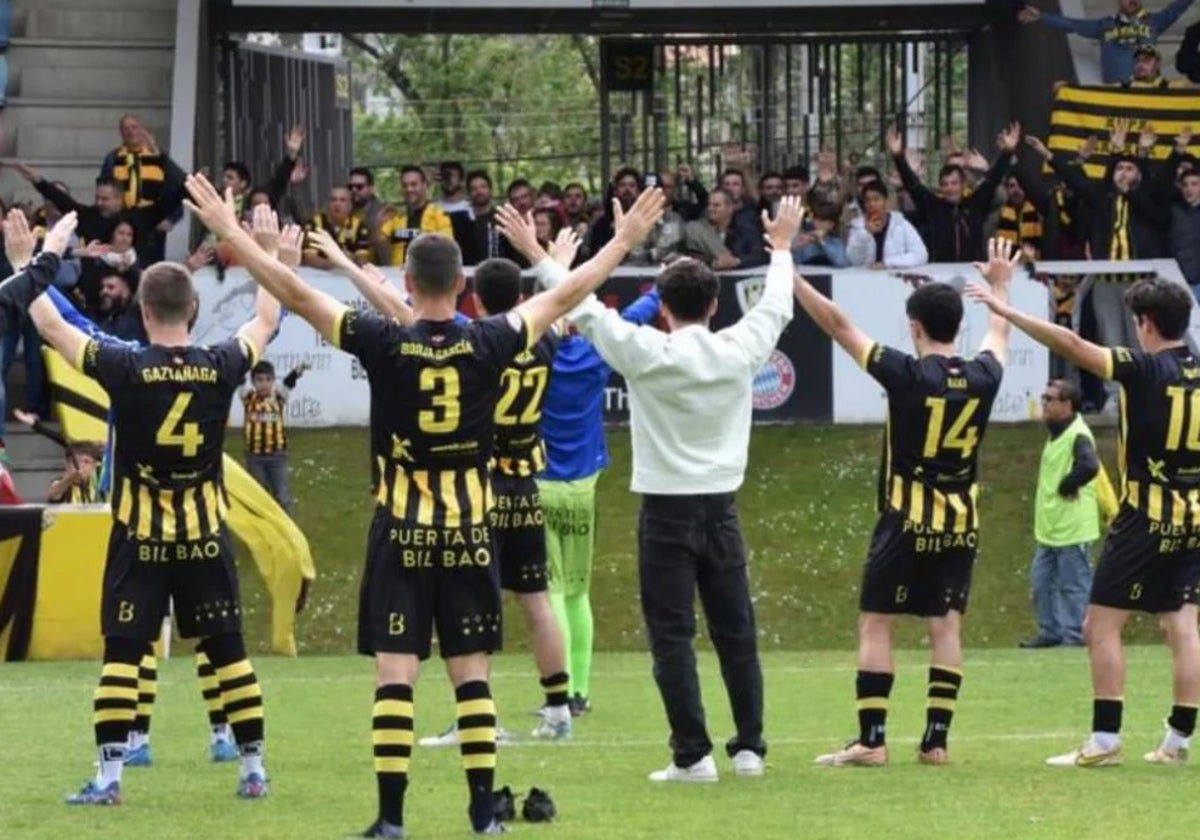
687,543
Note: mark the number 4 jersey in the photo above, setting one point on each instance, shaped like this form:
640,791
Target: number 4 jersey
434,390
938,409
1160,432
170,408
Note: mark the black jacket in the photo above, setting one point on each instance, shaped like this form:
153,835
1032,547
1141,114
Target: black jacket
1148,216
953,232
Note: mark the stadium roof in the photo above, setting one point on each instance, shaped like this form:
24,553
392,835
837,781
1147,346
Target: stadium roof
602,17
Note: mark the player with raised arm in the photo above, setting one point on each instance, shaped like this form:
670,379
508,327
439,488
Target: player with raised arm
1151,557
170,404
923,549
434,390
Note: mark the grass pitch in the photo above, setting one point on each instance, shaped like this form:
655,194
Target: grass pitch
1017,708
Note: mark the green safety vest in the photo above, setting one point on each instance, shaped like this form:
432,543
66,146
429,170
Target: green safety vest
1059,521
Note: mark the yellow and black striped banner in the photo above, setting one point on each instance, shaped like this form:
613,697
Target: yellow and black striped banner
1083,112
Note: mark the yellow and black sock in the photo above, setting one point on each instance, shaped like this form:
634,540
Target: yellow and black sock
1183,720
392,735
873,689
944,684
241,696
210,690
147,691
477,745
557,688
115,702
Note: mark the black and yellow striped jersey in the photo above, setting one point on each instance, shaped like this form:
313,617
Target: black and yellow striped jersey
938,410
141,173
519,448
170,406
263,429
1159,440
86,494
352,234
434,388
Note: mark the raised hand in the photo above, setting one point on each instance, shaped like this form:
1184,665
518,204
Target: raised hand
974,159
565,247
1089,147
19,240
1003,257
895,141
1118,134
291,245
1146,139
299,172
520,232
1029,14
218,214
201,257
684,173
324,242
1010,138
1038,146
780,231
60,235
264,227
633,226
295,141
826,166
1183,140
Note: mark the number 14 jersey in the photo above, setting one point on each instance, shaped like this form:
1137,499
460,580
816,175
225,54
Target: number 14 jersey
434,389
938,410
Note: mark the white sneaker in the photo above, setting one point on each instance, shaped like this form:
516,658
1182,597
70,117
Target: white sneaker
704,770
748,763
449,738
1088,756
554,726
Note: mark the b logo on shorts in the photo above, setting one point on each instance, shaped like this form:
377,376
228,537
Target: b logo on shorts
125,612
901,594
395,624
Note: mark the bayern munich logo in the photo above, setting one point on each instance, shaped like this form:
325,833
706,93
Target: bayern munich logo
774,383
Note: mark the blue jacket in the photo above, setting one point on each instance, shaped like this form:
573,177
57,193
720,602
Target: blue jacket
573,413
1119,35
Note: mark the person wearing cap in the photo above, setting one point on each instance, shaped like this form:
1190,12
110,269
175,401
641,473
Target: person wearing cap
1119,34
1147,69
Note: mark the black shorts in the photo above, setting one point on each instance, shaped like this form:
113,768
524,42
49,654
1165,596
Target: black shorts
141,578
912,570
519,535
418,578
1147,566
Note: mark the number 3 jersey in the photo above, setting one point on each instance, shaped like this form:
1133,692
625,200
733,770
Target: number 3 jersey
434,389
170,408
1159,448
938,409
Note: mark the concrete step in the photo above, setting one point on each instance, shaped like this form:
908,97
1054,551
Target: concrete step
65,143
90,23
135,85
26,53
75,113
25,448
21,7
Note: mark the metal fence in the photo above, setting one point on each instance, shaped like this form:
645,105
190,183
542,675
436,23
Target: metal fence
765,105
267,91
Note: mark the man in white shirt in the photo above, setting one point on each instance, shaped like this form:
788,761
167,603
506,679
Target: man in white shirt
690,415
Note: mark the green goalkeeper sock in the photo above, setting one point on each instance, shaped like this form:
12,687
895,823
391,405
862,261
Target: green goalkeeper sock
579,616
558,606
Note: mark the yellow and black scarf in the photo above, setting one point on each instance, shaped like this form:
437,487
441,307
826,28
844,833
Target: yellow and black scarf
1021,226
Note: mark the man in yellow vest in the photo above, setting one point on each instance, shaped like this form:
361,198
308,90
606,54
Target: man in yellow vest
1066,519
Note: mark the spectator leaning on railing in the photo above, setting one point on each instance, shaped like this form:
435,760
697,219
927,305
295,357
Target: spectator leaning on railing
1119,34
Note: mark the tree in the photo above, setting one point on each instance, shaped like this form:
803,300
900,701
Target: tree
523,105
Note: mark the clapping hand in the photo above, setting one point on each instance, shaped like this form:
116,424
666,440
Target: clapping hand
19,240
780,231
565,247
